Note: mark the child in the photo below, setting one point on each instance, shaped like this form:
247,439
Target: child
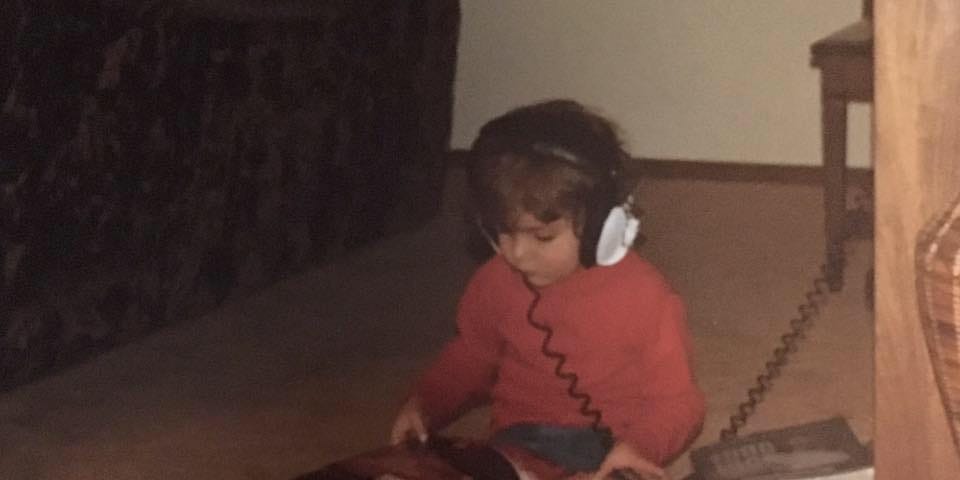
579,344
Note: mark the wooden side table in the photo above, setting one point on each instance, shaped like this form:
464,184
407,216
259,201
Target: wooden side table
845,60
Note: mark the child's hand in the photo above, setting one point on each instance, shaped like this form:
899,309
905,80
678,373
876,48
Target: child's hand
624,463
410,424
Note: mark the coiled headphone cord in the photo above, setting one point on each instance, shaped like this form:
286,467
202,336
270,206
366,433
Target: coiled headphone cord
561,360
788,344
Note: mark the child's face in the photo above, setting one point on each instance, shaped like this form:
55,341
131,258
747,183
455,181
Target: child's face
542,252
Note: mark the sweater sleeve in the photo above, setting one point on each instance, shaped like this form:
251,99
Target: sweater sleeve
670,408
461,376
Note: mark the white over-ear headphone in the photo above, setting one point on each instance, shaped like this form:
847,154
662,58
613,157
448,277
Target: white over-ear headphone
619,231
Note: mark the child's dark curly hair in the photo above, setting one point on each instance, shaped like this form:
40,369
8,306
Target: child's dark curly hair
552,159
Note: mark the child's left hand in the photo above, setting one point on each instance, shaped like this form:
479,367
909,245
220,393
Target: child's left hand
623,457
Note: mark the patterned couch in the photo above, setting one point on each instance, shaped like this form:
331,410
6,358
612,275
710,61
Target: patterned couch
159,158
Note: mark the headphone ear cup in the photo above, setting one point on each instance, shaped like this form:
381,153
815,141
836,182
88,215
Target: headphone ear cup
619,231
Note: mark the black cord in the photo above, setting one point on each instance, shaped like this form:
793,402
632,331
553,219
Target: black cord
788,344
561,359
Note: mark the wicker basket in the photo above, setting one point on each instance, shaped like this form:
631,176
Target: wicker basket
938,289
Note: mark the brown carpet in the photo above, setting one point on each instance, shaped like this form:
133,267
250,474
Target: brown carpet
313,369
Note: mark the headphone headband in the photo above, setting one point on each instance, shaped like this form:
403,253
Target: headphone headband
557,151
610,170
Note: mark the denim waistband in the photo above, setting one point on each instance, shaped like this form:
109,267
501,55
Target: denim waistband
578,449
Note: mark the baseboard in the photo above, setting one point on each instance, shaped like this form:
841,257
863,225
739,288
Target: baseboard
723,171
739,172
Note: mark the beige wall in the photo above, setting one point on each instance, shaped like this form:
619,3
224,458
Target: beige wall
718,80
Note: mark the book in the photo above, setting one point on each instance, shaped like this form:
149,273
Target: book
826,449
441,458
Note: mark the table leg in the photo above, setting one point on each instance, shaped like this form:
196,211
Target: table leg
834,118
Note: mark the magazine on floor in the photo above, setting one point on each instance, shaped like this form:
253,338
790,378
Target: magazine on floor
825,449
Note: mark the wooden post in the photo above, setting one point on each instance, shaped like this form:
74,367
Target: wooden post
917,168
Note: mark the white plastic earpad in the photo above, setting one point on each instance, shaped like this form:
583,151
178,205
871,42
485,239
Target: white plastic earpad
619,231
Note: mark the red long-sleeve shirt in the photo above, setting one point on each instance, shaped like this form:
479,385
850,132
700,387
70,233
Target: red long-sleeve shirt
623,331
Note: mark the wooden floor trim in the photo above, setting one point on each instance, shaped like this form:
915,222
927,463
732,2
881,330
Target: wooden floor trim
739,172
724,171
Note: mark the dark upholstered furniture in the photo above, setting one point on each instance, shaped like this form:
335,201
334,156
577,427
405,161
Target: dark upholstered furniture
158,158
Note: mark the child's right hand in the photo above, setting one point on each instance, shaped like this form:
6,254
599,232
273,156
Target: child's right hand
410,424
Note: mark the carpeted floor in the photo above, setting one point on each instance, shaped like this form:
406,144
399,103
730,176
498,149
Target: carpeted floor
313,369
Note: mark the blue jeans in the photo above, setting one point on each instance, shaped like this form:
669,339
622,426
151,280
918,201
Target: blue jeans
576,449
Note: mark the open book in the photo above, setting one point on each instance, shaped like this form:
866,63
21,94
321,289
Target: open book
439,459
442,458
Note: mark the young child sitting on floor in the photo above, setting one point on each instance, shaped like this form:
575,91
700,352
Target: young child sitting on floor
579,345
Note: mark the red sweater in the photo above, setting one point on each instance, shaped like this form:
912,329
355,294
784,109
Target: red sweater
623,331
